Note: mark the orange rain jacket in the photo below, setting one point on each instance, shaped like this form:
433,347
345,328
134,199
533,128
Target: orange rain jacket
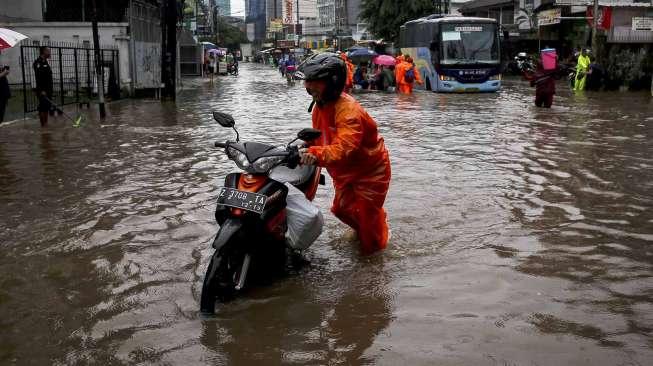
349,83
403,86
355,156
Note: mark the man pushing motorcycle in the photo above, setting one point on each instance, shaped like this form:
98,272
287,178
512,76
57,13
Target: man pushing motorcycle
351,150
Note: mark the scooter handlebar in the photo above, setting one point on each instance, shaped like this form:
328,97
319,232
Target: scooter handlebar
220,145
293,157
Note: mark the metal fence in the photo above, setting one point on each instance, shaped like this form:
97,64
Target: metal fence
73,74
190,60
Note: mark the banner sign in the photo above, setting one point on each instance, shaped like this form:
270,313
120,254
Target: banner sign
549,17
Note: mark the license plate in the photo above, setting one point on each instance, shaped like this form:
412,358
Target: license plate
244,200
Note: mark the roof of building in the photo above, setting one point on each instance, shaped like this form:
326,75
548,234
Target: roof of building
479,4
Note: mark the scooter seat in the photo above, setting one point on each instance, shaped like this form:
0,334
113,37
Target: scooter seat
298,176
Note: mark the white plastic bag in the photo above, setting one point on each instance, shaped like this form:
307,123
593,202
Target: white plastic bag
305,220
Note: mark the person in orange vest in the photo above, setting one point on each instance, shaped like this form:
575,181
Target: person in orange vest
349,83
351,149
407,74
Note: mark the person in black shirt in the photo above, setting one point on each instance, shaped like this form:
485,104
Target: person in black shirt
5,93
43,76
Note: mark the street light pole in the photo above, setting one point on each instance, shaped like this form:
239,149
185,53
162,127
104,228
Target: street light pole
98,61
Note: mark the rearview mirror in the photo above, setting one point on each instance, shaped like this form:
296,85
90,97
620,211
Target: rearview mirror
224,119
309,134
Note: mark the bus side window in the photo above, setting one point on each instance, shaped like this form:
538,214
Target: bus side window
434,47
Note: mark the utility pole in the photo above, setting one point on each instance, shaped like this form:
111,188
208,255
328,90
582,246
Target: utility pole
98,61
595,27
297,25
276,34
169,71
217,24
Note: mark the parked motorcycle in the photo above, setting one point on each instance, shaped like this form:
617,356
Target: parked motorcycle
595,76
522,63
232,69
251,212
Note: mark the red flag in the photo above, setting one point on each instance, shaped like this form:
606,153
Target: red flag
604,18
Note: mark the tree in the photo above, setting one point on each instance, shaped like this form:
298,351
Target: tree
230,37
384,17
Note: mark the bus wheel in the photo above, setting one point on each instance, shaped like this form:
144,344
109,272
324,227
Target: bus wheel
428,84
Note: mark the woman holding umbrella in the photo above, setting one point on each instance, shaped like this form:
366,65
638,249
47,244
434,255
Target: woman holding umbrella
8,39
386,78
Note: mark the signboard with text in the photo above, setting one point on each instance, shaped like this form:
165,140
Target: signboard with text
549,17
643,23
276,25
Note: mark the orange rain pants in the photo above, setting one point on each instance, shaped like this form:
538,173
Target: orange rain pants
355,156
403,86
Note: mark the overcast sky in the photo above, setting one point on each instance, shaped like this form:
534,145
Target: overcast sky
238,8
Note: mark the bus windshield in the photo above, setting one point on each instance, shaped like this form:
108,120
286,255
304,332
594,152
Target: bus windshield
469,43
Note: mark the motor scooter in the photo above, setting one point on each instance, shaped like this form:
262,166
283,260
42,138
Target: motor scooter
251,212
290,74
522,63
232,69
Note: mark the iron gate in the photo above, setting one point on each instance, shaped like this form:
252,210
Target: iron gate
73,74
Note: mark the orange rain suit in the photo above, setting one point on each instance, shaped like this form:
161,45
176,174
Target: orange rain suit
355,156
349,83
403,86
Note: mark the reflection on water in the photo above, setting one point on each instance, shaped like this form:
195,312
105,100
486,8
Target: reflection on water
520,235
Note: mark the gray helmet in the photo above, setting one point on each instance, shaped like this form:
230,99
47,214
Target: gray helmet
325,66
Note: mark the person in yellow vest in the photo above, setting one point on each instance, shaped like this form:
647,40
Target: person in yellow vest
582,68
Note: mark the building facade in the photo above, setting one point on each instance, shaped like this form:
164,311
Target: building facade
255,18
341,18
133,27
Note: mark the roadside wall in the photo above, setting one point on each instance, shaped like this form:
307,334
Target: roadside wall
39,33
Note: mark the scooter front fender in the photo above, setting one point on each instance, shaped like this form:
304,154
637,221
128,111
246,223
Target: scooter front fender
227,230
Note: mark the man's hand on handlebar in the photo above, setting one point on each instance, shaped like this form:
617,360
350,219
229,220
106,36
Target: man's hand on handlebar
306,158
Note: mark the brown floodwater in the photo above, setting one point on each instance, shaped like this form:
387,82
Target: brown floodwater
521,236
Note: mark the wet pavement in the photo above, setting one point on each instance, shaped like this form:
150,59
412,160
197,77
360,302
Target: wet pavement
521,236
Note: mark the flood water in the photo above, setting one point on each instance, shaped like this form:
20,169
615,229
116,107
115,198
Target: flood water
521,236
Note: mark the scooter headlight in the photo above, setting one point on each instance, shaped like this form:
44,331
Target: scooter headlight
239,158
263,165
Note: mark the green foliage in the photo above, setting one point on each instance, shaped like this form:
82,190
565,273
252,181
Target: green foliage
189,6
228,36
384,17
628,66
